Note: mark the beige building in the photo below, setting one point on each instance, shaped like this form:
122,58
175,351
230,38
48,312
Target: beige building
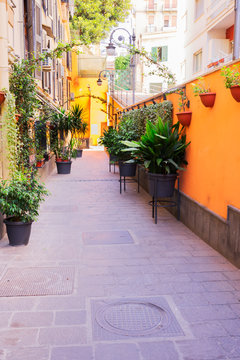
35,26
156,31
205,35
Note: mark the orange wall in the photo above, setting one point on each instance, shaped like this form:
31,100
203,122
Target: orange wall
92,107
213,175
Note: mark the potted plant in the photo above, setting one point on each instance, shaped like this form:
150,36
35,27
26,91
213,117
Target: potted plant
78,146
64,154
20,198
207,97
162,151
232,80
40,159
184,117
109,140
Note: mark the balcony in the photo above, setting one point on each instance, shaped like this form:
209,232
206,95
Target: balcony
219,10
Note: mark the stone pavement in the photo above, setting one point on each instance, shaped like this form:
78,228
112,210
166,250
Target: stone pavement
103,282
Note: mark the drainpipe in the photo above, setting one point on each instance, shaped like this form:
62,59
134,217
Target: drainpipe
236,30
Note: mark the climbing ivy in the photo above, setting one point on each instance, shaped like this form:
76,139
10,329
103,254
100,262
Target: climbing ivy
135,120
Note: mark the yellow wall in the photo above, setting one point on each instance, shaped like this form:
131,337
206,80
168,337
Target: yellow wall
213,173
93,114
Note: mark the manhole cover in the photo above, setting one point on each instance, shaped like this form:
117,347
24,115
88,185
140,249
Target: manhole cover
132,318
37,281
107,237
138,317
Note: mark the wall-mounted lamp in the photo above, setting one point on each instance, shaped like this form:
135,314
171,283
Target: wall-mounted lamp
99,82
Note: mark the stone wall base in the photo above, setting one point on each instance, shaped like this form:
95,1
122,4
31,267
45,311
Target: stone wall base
223,235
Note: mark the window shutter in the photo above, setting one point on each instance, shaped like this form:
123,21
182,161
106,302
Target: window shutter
164,53
154,53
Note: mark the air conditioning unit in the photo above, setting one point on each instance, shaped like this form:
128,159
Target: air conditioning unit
47,62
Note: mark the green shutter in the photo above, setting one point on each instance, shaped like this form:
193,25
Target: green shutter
154,54
164,53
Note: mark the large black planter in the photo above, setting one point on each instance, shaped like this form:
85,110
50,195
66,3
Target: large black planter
18,232
127,169
79,153
161,186
63,167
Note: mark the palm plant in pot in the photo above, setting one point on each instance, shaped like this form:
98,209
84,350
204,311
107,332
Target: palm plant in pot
20,198
162,151
78,127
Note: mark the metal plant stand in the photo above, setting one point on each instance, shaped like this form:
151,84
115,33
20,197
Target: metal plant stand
125,179
112,163
155,203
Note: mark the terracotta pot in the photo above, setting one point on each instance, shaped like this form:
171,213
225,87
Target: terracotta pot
184,118
58,159
208,99
235,91
40,163
2,97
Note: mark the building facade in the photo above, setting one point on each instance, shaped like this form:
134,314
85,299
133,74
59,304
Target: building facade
156,32
32,27
205,35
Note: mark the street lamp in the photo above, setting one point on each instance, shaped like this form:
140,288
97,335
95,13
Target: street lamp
102,76
111,52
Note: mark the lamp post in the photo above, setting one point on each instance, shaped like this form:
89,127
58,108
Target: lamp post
103,74
111,52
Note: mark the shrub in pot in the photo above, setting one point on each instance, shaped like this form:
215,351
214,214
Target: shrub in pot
184,117
64,154
207,97
232,80
162,151
20,198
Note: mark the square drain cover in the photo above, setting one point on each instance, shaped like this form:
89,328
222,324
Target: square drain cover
107,238
124,318
37,282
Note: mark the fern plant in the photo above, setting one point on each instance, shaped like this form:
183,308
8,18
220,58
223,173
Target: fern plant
161,149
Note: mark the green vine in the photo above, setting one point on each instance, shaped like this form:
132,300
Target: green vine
137,118
10,128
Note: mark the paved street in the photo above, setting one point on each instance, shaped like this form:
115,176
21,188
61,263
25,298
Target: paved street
100,281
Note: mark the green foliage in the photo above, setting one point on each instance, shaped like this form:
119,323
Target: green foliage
200,87
93,19
136,119
65,152
161,149
231,75
21,196
183,100
122,62
11,132
78,126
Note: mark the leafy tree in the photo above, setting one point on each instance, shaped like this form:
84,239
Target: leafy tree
122,62
93,19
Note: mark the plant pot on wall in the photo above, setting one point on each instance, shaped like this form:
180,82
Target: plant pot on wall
127,169
161,186
208,99
18,232
184,118
235,91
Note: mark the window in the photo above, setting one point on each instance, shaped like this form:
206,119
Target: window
199,8
197,61
167,4
160,53
166,21
174,21
151,20
151,4
174,4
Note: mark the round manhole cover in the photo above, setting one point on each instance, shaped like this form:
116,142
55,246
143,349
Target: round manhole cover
132,318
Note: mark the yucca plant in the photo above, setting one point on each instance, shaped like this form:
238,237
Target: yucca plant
161,149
